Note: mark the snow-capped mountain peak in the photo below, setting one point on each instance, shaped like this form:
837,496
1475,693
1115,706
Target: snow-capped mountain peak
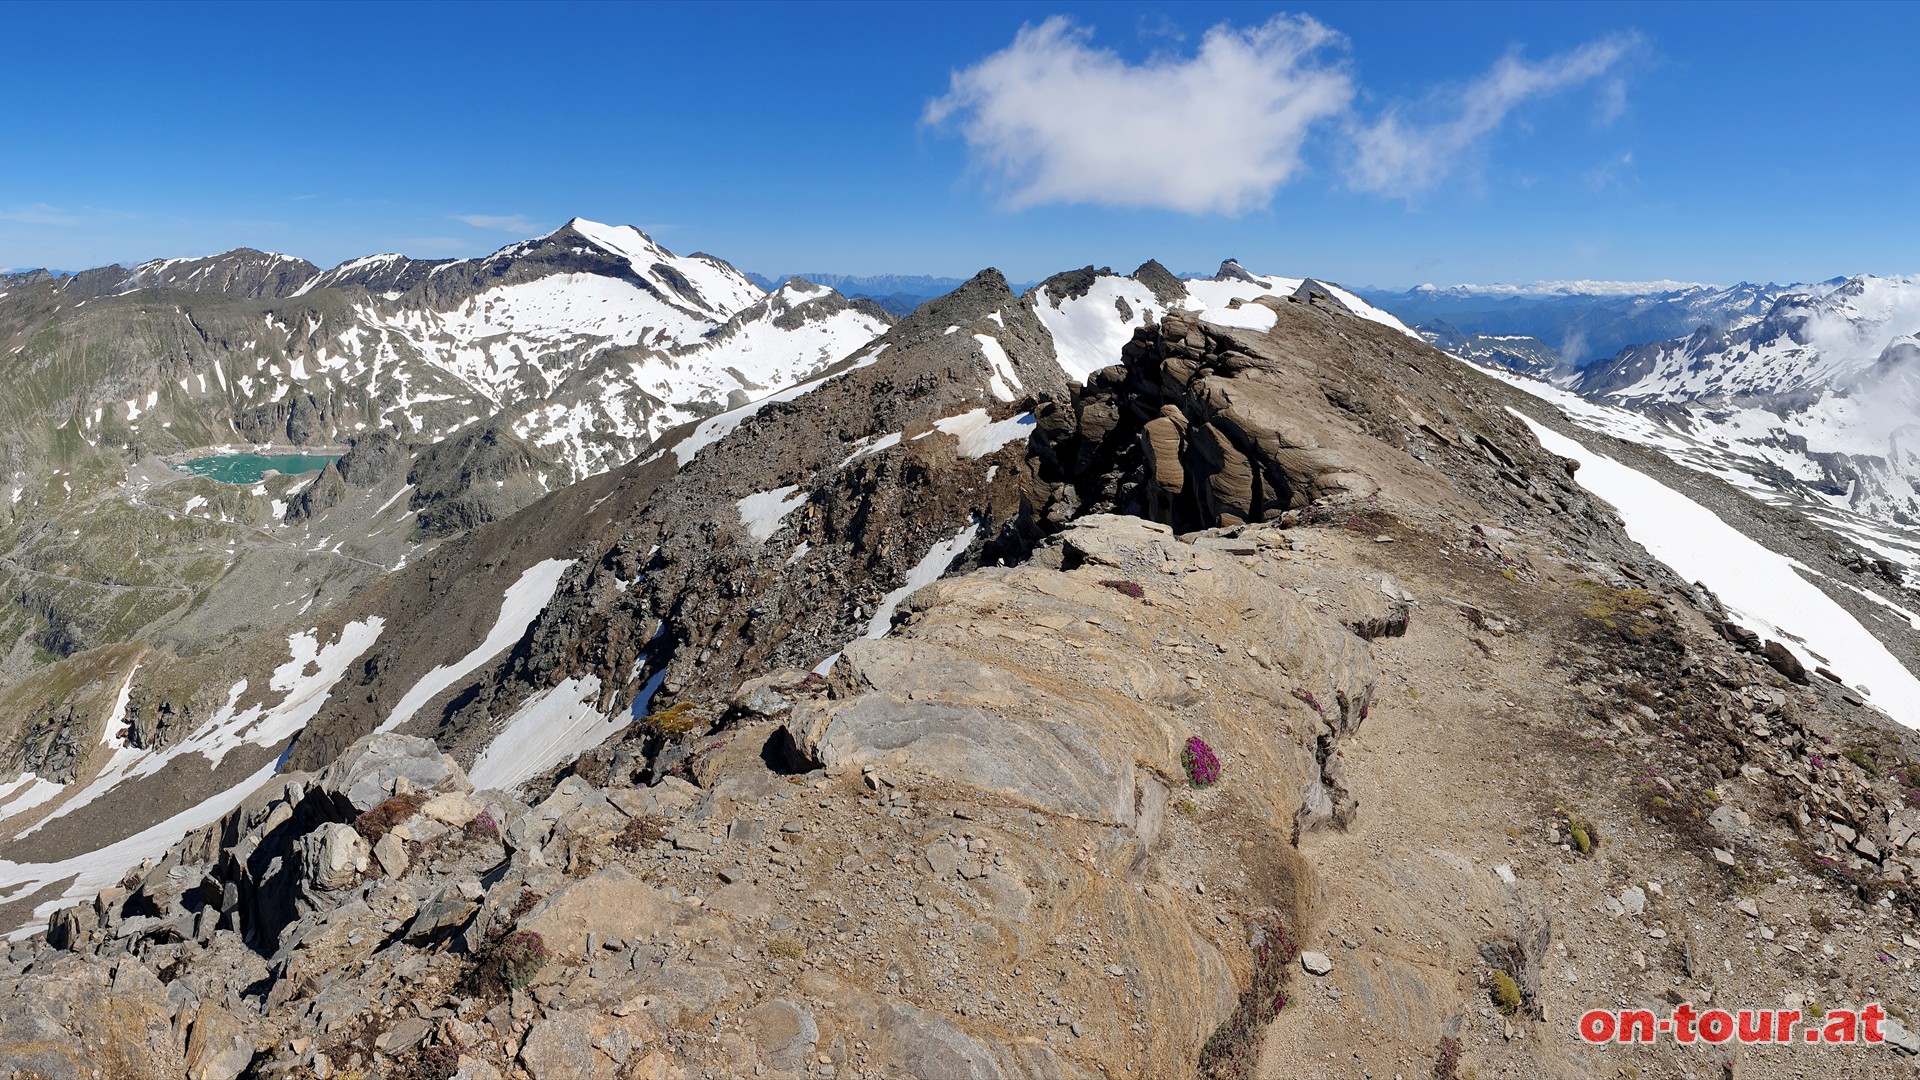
702,279
1809,339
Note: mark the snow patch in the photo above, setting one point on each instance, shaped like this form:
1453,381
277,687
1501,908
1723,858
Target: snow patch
1758,586
979,437
522,603
871,445
763,511
14,800
557,724
396,498
1003,374
1088,332
1245,317
924,573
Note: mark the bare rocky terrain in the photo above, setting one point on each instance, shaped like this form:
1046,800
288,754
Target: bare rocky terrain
1484,765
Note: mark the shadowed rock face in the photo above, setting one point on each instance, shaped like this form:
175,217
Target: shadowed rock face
479,475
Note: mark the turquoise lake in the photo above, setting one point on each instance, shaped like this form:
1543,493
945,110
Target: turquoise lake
252,468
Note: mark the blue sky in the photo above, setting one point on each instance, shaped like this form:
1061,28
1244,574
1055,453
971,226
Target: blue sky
1382,144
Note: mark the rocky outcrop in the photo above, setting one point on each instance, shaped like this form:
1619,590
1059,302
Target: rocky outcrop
1203,426
1785,662
299,418
377,462
326,492
1015,723
480,475
52,744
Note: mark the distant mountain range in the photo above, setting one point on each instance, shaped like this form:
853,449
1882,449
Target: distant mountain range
1583,321
897,294
1805,393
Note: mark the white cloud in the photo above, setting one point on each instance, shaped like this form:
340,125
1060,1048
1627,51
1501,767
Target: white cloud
513,223
1052,119
1395,157
1058,121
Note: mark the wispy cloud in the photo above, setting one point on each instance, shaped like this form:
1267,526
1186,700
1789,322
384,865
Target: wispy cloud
1615,172
40,214
1052,119
513,223
1397,157
1059,121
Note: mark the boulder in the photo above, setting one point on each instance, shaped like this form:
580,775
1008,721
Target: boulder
920,1043
405,1034
771,695
217,1047
561,1048
447,908
332,857
454,808
785,1032
374,769
611,903
1062,767
1784,662
71,927
1740,636
391,851
1898,1037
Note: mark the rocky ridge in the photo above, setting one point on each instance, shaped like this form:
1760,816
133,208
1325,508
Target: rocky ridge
1467,729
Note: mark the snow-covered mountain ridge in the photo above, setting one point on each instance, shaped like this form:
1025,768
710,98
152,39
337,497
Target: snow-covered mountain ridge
1820,396
1585,321
585,343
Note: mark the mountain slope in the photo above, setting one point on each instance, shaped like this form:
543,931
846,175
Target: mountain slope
146,605
901,461
1467,731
